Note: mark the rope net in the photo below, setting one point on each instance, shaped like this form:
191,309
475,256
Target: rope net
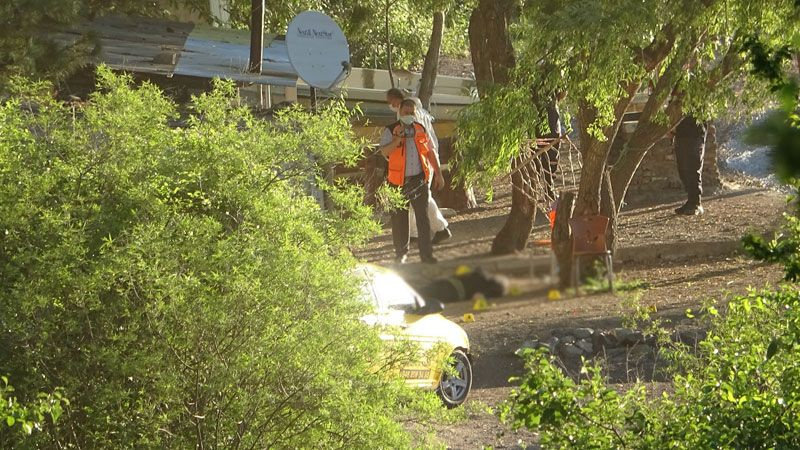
544,169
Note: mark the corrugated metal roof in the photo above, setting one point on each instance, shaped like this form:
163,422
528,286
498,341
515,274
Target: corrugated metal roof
154,46
146,45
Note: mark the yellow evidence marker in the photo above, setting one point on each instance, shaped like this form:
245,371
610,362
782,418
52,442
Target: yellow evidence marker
480,303
463,270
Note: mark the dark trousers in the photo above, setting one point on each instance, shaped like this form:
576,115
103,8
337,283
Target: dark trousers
549,159
417,198
690,145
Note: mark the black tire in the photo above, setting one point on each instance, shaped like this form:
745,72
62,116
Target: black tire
453,390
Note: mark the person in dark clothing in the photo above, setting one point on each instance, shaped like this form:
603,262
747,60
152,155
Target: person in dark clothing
549,159
690,144
462,287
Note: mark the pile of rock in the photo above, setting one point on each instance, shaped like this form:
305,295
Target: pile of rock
620,348
577,342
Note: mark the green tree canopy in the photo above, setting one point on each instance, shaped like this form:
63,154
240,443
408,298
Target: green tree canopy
685,55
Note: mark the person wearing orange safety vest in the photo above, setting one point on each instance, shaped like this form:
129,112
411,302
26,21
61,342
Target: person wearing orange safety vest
440,229
412,163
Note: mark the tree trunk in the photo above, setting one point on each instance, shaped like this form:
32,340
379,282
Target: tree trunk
609,209
712,180
623,171
648,132
513,237
431,67
490,44
388,42
595,154
256,35
454,195
562,238
493,59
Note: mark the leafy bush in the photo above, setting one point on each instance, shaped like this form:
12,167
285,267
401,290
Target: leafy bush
742,391
780,131
29,417
783,248
177,283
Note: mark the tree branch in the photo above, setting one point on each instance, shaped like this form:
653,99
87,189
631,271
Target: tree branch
651,56
730,62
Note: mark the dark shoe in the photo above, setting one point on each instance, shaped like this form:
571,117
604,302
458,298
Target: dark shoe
690,209
441,236
401,259
430,260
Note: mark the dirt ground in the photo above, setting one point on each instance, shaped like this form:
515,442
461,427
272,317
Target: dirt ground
728,216
674,286
498,332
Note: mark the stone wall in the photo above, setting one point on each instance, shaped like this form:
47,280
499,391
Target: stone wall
657,177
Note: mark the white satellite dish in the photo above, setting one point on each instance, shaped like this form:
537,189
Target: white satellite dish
318,50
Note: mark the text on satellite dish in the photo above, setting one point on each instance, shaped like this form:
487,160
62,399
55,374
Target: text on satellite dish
313,33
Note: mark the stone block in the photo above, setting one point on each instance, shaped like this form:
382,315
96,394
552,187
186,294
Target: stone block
568,339
586,346
583,333
604,340
570,351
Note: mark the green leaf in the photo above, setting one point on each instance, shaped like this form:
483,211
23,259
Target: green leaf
10,421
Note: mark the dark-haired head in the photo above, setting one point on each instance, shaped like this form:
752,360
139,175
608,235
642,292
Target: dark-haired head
395,94
407,107
394,97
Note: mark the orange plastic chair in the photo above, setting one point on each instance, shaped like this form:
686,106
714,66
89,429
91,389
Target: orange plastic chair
589,239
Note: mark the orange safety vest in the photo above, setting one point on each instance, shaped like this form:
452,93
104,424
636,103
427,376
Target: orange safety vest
397,159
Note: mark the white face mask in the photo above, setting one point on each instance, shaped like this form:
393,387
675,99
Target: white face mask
407,120
394,108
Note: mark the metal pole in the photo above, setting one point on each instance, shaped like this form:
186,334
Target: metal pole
313,99
256,35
